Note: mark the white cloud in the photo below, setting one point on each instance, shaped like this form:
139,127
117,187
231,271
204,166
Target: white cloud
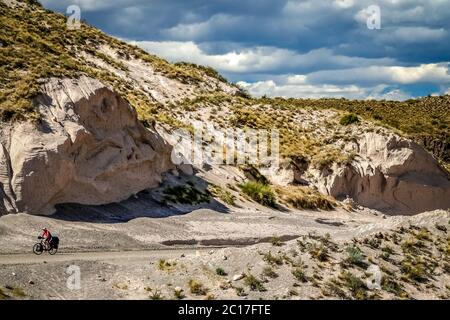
345,4
296,79
436,73
374,79
394,94
270,88
304,90
257,59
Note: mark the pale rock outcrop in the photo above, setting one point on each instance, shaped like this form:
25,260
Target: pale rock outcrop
89,149
391,174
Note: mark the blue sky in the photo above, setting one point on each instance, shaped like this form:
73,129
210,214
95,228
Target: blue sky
292,48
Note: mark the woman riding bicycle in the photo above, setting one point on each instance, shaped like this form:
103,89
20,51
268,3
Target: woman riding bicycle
47,236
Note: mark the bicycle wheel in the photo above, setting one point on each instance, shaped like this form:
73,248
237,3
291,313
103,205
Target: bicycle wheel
38,249
52,251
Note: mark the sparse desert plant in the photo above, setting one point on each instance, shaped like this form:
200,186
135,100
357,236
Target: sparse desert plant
299,274
197,288
223,194
374,243
165,265
273,259
178,294
253,283
221,272
319,252
276,241
445,248
411,245
210,296
356,286
389,284
355,257
240,292
120,286
261,193
414,269
423,234
386,253
349,119
269,272
388,250
156,295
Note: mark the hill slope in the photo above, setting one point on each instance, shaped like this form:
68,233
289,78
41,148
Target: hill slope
367,156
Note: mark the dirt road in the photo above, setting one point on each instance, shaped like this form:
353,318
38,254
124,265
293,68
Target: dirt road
104,256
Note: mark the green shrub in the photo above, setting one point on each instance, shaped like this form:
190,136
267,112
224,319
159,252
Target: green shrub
186,194
253,283
349,119
423,234
221,272
415,269
273,259
269,272
355,257
261,193
355,285
299,274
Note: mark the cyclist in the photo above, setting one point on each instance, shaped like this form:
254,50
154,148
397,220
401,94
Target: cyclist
47,236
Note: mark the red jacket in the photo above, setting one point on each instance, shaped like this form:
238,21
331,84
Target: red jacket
46,234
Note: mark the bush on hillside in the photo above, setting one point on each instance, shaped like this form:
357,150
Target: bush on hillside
349,119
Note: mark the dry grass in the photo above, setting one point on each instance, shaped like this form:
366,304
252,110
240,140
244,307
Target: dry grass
197,288
254,283
305,198
223,194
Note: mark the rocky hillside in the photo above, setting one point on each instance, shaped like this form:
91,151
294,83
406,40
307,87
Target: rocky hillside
85,119
88,148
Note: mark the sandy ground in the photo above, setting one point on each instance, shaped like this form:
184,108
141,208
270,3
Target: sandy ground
200,227
165,259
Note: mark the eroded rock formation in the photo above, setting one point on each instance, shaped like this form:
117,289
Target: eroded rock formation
89,148
391,174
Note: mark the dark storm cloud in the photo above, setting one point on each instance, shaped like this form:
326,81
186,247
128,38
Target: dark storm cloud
274,39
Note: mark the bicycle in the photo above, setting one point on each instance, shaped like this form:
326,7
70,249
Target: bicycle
51,247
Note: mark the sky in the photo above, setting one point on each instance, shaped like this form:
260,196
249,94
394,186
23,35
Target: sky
357,49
